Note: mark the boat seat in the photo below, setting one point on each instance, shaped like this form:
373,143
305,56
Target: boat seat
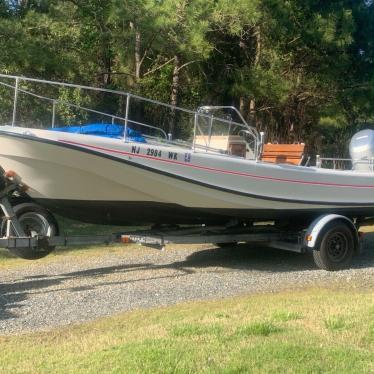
283,153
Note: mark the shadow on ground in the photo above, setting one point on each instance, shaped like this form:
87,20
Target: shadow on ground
215,260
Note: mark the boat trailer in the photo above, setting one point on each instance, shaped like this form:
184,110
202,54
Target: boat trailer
30,231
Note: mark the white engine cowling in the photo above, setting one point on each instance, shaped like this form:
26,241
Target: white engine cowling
361,149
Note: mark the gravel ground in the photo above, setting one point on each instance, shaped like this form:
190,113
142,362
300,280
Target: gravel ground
72,289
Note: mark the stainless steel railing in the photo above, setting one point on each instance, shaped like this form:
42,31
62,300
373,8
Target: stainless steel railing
58,101
343,163
196,116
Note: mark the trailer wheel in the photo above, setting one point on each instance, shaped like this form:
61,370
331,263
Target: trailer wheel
34,220
336,247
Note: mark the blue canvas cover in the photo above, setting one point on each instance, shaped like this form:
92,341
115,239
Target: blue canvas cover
107,130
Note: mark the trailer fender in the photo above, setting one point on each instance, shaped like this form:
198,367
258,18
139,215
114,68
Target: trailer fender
316,228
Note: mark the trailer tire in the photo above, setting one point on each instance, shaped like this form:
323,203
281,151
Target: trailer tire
35,220
335,248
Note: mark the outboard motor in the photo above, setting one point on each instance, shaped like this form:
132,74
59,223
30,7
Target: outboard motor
361,149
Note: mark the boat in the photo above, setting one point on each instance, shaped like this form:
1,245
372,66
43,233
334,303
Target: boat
119,175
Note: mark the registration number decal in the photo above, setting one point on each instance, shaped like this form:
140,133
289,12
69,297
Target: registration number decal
154,152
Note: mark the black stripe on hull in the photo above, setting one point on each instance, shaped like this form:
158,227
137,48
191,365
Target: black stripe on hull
128,212
140,212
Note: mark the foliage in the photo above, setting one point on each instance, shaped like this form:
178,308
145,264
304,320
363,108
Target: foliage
287,64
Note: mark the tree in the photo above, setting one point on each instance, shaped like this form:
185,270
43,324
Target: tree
295,69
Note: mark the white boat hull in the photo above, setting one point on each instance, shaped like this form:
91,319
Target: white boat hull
108,181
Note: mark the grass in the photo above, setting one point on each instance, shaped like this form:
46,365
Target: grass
264,328
308,331
335,323
286,315
193,329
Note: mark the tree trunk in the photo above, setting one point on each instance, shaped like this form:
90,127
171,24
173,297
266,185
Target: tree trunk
258,46
105,53
241,105
174,92
251,109
137,51
252,102
107,64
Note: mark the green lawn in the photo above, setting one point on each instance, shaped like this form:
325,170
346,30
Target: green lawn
308,331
